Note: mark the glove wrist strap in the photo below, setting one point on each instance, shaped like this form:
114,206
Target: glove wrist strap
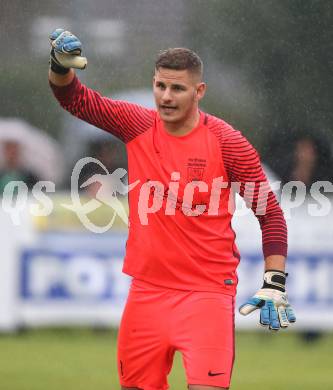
55,66
275,279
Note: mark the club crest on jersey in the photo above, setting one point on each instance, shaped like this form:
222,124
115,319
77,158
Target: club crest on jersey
195,169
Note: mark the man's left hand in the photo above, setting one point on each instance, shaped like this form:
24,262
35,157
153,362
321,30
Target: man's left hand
271,299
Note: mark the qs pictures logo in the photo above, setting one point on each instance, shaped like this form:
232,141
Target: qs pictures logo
111,186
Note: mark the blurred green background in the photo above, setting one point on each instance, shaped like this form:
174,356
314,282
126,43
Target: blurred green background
86,359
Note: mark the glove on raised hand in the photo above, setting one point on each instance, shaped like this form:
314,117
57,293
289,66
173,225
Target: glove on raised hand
66,51
271,299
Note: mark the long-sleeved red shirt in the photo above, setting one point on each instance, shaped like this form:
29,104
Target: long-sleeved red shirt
171,247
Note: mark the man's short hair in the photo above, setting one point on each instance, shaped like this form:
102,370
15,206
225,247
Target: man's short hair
180,58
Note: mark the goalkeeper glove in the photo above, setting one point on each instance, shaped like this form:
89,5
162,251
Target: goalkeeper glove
65,52
271,299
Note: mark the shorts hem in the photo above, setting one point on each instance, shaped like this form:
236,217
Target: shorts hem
143,386
204,383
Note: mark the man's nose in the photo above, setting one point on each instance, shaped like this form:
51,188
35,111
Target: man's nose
166,97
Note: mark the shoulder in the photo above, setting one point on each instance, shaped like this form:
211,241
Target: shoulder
225,133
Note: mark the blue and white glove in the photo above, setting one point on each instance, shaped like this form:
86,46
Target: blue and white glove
66,51
271,299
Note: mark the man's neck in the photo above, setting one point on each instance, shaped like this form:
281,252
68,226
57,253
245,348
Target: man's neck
181,129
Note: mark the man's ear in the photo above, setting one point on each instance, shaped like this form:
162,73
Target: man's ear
201,90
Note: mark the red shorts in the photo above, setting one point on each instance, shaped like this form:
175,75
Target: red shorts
157,322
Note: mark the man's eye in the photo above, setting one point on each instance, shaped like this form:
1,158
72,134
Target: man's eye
178,88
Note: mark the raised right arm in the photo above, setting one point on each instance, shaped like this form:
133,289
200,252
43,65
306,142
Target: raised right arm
122,119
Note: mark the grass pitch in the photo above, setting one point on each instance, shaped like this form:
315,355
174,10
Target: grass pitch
86,360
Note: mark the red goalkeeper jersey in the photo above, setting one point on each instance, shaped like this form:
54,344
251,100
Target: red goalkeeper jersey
181,241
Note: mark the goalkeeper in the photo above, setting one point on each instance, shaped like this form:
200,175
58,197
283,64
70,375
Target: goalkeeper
184,259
